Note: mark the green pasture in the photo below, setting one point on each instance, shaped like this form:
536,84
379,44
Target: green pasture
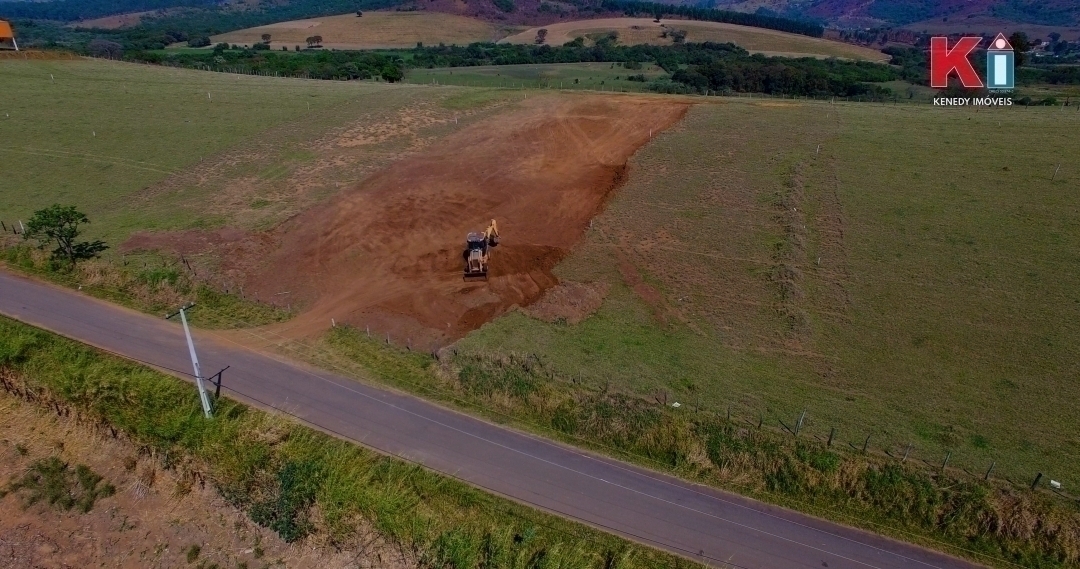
587,76
903,272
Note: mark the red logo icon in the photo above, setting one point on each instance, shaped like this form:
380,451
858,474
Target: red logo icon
943,61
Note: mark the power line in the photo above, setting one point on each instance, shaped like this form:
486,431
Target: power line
287,344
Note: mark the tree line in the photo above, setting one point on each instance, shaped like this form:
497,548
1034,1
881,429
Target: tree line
693,67
328,65
690,12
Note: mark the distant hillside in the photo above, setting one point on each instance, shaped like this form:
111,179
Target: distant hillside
74,10
872,13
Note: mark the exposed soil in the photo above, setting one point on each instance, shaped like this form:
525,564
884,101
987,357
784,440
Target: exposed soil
388,253
112,22
570,302
186,242
154,518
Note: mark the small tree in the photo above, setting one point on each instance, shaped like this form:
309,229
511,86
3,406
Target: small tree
1019,41
60,225
318,40
359,14
392,73
266,38
541,35
104,48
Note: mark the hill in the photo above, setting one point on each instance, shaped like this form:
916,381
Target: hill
1059,15
633,31
373,30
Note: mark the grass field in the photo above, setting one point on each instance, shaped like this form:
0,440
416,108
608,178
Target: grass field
143,147
902,272
373,30
591,76
634,31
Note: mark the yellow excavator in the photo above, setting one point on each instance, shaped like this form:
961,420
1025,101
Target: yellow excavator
478,250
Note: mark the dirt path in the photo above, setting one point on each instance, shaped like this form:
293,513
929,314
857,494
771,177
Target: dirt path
387,254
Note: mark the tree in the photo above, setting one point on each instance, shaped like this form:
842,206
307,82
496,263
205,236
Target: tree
266,38
1019,41
541,35
104,48
60,225
318,40
359,14
392,73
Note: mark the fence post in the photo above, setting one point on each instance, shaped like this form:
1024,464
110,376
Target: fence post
832,432
798,425
866,443
946,463
989,470
903,460
1035,483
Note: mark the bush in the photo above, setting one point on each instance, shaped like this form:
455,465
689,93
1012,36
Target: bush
199,42
392,73
504,5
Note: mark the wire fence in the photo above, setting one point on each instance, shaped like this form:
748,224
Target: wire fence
798,427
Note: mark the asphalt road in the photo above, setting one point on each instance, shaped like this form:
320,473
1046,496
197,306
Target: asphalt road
705,524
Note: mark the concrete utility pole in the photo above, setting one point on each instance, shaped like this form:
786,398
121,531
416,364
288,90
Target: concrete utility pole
207,410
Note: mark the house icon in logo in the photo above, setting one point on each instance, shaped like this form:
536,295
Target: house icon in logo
1000,64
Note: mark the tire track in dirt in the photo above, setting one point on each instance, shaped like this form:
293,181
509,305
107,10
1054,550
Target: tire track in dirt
387,254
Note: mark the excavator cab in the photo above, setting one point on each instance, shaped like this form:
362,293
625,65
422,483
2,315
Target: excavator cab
477,245
476,255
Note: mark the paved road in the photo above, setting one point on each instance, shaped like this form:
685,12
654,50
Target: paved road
721,528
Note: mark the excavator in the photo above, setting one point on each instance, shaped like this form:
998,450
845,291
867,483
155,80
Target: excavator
478,246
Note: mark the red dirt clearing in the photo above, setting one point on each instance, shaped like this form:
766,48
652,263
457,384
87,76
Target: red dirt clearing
388,254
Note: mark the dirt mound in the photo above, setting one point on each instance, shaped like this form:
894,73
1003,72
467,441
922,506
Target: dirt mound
570,302
388,254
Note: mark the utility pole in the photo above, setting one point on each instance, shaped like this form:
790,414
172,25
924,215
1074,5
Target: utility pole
207,410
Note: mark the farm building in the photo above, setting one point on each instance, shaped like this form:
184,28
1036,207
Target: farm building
7,37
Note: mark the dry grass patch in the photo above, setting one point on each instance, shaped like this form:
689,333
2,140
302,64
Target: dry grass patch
633,31
373,30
